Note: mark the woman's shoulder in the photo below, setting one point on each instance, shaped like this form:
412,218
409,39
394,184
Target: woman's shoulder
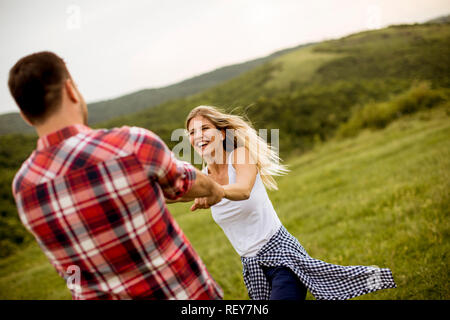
241,155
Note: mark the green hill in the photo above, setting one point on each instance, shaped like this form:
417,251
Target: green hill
136,101
307,93
380,198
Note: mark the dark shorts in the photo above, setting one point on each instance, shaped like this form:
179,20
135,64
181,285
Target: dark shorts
284,283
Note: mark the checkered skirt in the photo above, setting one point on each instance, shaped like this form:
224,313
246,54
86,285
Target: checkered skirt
324,280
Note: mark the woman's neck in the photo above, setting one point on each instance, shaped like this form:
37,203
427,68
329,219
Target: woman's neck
215,166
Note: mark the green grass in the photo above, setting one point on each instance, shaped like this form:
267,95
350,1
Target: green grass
298,66
380,198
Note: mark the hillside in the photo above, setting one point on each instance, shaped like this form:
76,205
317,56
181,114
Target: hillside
136,101
380,198
308,92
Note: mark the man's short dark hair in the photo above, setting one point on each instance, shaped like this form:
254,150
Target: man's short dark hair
36,83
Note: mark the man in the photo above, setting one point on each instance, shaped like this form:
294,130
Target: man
95,199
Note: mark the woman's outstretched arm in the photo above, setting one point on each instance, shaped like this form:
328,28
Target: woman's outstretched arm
246,172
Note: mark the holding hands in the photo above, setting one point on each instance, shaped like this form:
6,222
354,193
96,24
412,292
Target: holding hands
206,202
200,203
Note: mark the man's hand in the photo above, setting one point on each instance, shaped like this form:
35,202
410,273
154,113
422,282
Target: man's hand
206,202
200,203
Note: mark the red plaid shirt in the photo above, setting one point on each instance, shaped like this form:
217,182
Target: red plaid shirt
94,200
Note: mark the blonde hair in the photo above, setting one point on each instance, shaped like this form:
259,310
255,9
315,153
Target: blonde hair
266,158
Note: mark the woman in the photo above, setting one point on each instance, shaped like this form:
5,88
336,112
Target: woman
275,265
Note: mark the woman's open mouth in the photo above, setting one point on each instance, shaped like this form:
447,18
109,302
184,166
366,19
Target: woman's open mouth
202,145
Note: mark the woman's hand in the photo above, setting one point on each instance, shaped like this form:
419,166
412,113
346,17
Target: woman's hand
217,194
200,203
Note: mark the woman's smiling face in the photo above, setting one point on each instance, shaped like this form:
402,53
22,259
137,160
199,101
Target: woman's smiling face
204,136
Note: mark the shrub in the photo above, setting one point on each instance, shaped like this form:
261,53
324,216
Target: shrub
378,115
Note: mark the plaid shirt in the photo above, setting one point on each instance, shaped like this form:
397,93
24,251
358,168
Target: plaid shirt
94,200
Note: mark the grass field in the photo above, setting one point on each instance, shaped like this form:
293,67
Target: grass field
381,198
299,65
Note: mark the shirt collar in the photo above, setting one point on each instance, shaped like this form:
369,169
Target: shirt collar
56,137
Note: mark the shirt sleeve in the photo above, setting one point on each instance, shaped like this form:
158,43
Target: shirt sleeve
174,176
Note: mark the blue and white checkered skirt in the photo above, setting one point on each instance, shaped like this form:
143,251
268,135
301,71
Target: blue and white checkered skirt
324,280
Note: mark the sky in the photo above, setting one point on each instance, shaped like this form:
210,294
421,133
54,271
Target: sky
117,47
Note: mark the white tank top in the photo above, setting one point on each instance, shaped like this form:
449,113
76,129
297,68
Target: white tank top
248,224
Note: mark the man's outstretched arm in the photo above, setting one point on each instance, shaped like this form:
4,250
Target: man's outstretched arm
203,187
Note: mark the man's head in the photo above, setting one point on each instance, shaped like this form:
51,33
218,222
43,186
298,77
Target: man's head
42,87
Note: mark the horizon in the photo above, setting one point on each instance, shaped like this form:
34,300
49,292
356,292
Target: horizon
80,24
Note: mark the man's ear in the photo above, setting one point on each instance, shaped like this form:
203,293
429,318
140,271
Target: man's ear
71,91
24,117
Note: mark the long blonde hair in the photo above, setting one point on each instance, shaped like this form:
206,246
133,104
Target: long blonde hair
265,156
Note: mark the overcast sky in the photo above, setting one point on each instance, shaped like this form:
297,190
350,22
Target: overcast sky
117,47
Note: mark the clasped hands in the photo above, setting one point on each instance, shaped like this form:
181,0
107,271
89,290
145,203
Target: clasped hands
206,202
